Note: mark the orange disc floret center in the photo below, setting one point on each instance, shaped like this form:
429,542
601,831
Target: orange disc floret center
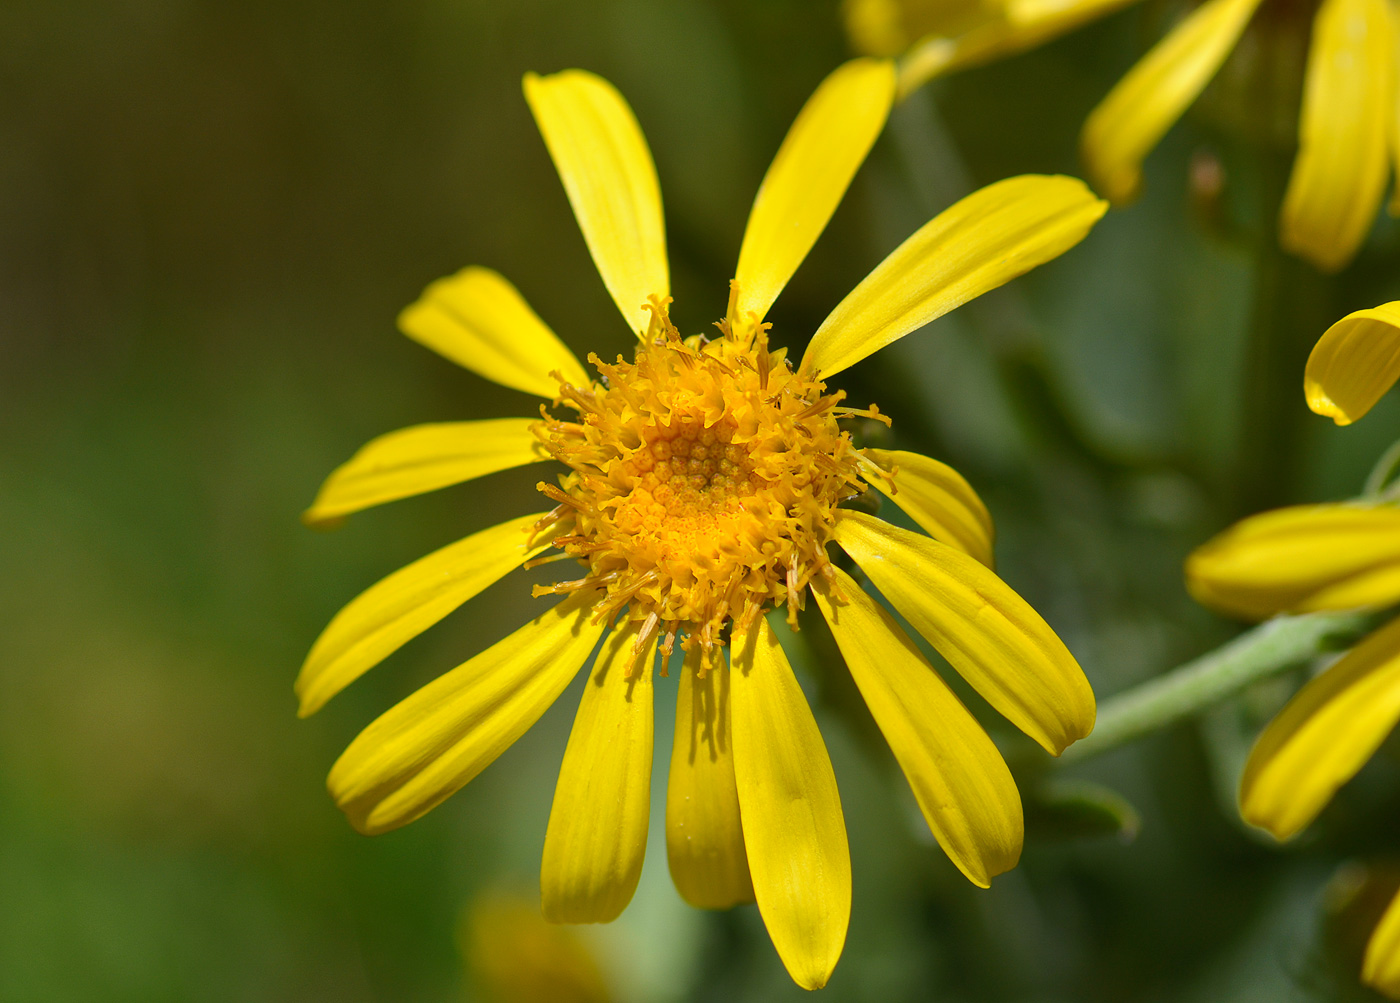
688,488
703,481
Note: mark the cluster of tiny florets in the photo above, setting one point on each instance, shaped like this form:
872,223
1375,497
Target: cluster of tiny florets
704,478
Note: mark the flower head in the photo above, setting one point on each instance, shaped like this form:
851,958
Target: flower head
703,483
1346,132
1323,557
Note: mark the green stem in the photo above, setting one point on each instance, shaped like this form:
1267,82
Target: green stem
1289,313
1273,647
1383,471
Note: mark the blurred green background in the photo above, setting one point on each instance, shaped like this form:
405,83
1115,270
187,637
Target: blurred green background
209,216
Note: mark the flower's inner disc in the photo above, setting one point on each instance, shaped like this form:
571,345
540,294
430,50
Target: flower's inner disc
704,480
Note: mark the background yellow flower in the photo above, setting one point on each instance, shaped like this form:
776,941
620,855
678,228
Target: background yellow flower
1321,557
1346,129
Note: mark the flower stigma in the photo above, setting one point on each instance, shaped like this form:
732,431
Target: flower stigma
703,483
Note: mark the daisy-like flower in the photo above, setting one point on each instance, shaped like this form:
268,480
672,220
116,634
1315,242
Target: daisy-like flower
703,483
1323,557
1346,132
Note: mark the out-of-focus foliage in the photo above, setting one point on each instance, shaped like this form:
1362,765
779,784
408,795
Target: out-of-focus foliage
210,215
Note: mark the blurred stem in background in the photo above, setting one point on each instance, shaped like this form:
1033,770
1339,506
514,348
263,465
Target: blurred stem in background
1257,99
1289,313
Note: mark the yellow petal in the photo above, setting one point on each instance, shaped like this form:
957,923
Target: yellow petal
986,631
1017,26
962,784
793,827
385,616
1125,127
1300,559
982,242
1343,134
479,321
603,160
423,458
1381,967
814,166
597,831
1323,736
427,747
938,498
1354,363
704,840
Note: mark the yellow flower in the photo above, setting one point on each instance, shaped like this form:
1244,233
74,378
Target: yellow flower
704,480
1354,363
514,956
1323,557
1346,132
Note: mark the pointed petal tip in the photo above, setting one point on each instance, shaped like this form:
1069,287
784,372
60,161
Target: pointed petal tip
306,706
317,519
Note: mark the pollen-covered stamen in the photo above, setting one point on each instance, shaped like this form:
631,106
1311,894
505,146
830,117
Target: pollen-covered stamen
704,480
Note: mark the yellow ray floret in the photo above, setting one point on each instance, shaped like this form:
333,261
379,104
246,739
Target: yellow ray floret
1138,112
1300,559
607,171
935,496
958,777
1381,967
597,831
983,241
812,170
413,461
1344,133
479,321
428,746
1354,363
704,837
793,825
988,633
1328,731
387,615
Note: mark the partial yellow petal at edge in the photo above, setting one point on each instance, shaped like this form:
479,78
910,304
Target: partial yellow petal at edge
428,746
987,632
794,831
1300,559
481,322
958,777
1323,736
605,165
1344,137
812,170
1381,967
1128,123
597,831
385,616
1019,25
936,497
423,458
704,836
1354,363
978,244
